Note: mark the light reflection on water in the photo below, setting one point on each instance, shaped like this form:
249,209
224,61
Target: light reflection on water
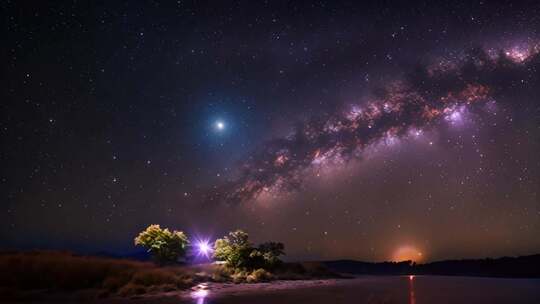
378,289
200,292
412,299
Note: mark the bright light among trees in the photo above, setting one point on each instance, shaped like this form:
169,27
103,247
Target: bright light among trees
203,248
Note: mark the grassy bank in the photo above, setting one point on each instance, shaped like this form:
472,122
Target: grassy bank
52,271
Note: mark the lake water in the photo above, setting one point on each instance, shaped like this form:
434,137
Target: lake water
386,289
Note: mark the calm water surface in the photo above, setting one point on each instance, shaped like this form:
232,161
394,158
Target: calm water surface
395,289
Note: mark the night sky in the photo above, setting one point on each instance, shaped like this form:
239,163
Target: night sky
373,132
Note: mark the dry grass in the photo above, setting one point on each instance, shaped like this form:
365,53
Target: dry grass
64,271
23,273
259,275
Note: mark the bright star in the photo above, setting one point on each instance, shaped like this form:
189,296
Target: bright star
220,125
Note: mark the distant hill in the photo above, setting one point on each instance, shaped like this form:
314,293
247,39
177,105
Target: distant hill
515,267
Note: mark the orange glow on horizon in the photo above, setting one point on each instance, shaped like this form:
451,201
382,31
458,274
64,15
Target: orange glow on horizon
408,253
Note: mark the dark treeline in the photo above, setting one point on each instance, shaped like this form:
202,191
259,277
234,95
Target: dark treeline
515,267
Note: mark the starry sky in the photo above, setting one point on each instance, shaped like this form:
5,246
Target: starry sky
381,131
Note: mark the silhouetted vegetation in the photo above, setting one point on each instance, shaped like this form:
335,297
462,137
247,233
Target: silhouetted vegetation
525,266
357,267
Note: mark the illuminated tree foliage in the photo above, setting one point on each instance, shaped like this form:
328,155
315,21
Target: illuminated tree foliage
164,245
237,252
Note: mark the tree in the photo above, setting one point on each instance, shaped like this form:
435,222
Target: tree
164,245
234,249
237,252
270,252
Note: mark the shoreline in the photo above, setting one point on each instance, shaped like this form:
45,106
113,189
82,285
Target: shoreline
377,288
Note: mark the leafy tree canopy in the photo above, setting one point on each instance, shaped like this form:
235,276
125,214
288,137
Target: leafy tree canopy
237,252
164,245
